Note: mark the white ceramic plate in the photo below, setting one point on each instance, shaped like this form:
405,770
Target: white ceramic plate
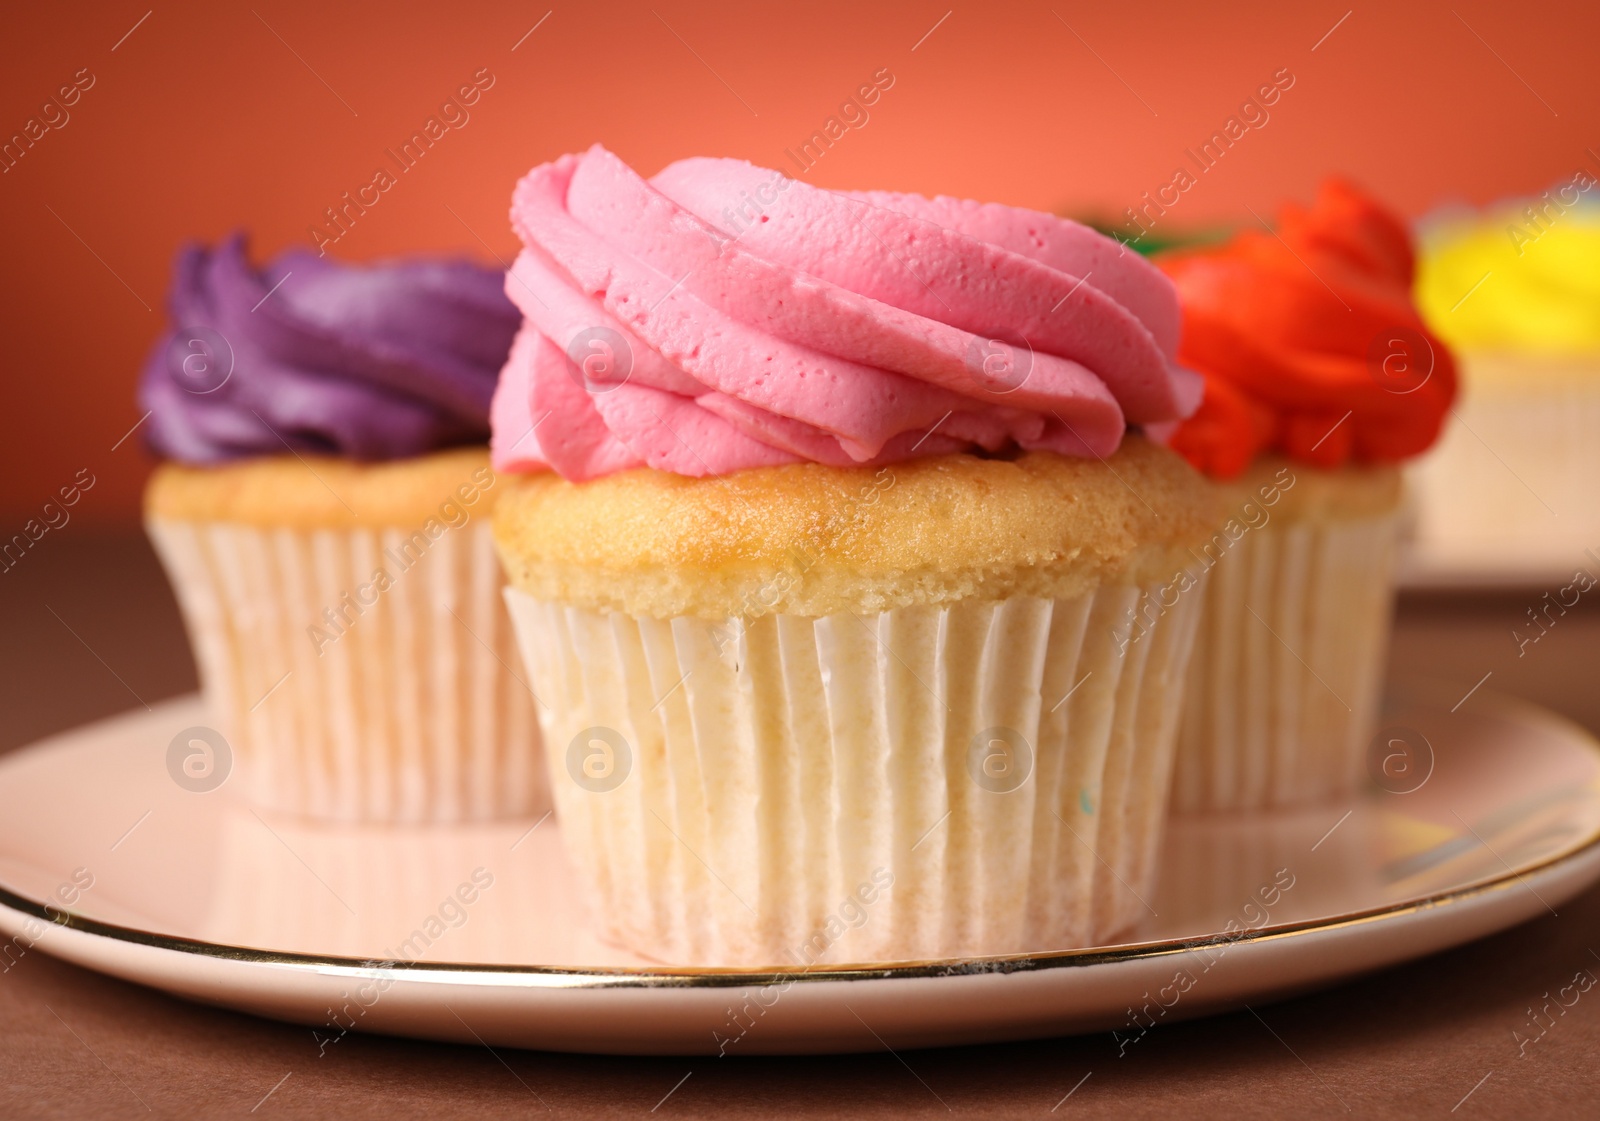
108,861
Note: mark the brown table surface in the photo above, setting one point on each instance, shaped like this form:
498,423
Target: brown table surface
1433,1038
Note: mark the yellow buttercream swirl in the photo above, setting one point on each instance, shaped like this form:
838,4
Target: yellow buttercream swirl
1513,279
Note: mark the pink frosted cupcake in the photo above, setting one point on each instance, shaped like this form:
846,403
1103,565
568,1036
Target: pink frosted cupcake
818,579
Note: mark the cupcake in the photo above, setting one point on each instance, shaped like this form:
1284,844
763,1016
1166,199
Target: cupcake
1515,289
824,523
323,515
1320,378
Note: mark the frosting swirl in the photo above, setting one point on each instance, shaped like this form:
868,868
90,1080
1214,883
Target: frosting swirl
722,316
305,354
1309,342
1533,278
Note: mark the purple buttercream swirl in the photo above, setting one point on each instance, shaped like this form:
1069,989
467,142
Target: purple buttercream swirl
305,354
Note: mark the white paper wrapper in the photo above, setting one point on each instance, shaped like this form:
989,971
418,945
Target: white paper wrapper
928,782
408,708
1284,683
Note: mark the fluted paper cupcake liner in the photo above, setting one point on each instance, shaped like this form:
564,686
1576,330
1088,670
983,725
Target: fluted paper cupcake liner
981,778
1284,683
350,696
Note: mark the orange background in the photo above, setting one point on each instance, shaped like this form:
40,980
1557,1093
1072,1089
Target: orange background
210,117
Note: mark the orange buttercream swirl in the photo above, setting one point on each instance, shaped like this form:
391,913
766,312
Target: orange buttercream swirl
1309,341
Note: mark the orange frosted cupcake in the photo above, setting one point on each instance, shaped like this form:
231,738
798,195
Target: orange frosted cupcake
1320,379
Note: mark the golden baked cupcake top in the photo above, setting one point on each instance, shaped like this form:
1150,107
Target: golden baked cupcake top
1282,488
321,492
809,539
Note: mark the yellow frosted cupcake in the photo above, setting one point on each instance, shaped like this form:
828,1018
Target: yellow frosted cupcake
824,610
1516,290
331,550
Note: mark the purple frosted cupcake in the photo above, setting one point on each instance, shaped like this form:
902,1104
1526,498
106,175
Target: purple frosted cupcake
323,515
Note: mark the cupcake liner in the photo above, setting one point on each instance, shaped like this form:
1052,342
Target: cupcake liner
345,697
1284,684
980,778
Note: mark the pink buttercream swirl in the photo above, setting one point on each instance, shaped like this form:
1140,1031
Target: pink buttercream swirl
721,316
